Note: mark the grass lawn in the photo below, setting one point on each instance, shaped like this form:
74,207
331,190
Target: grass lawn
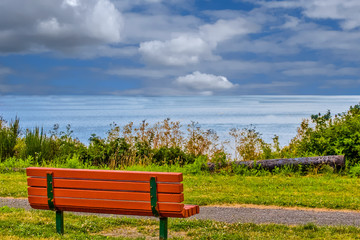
21,224
315,191
13,184
333,191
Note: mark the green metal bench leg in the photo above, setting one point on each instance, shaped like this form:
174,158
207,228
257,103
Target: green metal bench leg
60,222
163,228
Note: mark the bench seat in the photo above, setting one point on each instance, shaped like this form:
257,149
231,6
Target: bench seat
187,211
110,192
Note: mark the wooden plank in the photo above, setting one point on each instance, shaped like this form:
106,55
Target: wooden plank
105,174
191,210
106,204
180,214
111,195
107,185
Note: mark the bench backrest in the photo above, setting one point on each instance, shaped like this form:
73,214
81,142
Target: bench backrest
105,191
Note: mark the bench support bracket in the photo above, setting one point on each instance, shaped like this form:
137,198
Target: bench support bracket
50,196
155,209
50,191
60,222
153,197
163,228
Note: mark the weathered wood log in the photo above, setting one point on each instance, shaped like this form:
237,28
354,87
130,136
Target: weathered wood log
333,161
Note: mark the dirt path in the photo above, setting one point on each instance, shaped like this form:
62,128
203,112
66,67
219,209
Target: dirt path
253,214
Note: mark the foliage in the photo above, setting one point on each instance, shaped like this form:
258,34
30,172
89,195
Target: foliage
325,135
250,146
164,143
355,170
17,164
172,155
8,138
39,146
248,143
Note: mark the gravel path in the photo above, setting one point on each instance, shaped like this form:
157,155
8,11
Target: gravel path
252,214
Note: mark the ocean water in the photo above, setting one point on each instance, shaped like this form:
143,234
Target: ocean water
270,115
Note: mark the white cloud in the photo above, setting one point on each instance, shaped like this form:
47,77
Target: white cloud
6,87
187,49
178,51
58,25
104,22
223,30
71,3
274,87
291,22
204,82
342,83
267,46
4,71
152,6
327,39
159,91
145,73
281,4
88,52
345,10
140,27
316,69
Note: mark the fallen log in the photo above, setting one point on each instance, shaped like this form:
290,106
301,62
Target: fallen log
333,161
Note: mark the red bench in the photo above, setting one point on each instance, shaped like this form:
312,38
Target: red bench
103,191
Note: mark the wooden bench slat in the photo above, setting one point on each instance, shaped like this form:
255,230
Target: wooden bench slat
181,214
107,185
188,211
112,195
105,174
93,203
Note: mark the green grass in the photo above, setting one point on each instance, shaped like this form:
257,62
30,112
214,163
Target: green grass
13,184
314,191
335,192
21,224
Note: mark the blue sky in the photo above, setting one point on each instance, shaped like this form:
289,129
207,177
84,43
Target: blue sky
179,47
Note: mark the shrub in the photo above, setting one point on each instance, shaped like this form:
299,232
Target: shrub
39,146
16,163
201,142
325,135
248,144
73,162
8,138
171,155
354,171
199,165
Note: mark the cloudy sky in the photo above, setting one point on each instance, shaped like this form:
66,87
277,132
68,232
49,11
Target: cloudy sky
179,47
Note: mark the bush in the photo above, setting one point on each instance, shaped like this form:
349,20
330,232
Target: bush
354,171
14,163
163,144
171,155
199,165
329,136
8,138
39,146
248,144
